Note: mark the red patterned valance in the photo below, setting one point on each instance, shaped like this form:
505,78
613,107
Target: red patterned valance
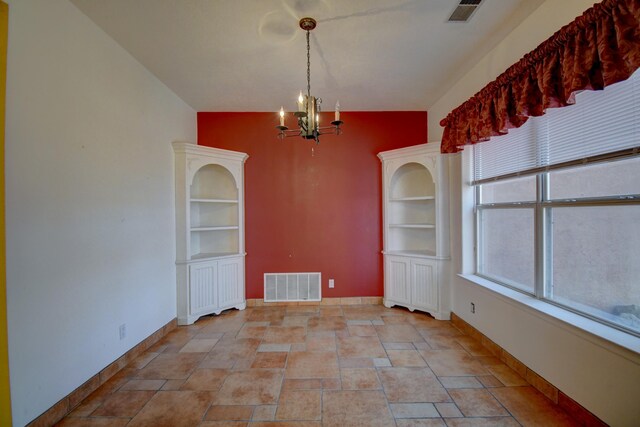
599,48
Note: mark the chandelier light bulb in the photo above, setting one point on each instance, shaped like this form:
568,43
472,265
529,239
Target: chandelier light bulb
281,116
337,111
300,102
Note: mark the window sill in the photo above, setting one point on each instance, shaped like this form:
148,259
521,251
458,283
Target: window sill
602,335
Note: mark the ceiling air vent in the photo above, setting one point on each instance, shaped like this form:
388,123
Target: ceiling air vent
464,10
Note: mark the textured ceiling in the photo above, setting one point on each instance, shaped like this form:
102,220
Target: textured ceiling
250,55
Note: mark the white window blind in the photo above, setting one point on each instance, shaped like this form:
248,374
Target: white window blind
599,122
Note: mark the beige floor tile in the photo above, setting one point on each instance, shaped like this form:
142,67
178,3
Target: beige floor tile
284,335
173,409
507,376
264,413
409,385
229,413
357,347
302,384
405,358
439,329
222,324
172,385
448,410
303,309
274,316
361,330
199,345
381,362
473,347
363,312
274,348
401,345
331,384
206,379
398,333
423,422
143,360
328,323
360,379
452,363
173,366
290,320
252,332
490,381
529,407
270,360
123,404
299,405
477,403
460,382
226,353
414,410
93,422
85,409
362,362
483,422
223,424
143,385
312,365
252,387
444,343
286,424
321,343
355,408
331,311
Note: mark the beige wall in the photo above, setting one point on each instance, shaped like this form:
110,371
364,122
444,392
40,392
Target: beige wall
90,205
603,377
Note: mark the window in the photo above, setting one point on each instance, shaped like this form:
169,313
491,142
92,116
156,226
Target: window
558,206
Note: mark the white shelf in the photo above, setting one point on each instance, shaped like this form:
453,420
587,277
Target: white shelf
205,255
214,201
412,226
217,228
412,199
414,253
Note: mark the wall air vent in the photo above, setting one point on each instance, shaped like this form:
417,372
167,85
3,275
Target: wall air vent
279,287
464,10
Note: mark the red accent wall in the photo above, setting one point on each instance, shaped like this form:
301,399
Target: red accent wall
314,210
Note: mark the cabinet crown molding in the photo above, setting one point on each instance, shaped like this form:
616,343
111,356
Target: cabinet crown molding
429,148
181,147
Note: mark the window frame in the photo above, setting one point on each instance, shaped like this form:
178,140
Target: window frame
543,208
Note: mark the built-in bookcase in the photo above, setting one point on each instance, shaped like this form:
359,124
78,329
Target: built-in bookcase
416,234
209,230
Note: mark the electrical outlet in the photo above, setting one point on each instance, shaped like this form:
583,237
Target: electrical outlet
332,283
473,307
123,331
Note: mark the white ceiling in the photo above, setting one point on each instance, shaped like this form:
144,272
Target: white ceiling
250,55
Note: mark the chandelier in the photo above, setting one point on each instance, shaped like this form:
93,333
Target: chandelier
308,112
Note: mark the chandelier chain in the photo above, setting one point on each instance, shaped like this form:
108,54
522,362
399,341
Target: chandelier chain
308,67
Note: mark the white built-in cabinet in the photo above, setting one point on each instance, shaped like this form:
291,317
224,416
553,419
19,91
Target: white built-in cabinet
416,229
209,230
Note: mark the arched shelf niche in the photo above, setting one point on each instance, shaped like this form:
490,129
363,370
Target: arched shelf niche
214,213
412,210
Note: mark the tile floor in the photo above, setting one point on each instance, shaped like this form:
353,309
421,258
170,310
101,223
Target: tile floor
317,366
